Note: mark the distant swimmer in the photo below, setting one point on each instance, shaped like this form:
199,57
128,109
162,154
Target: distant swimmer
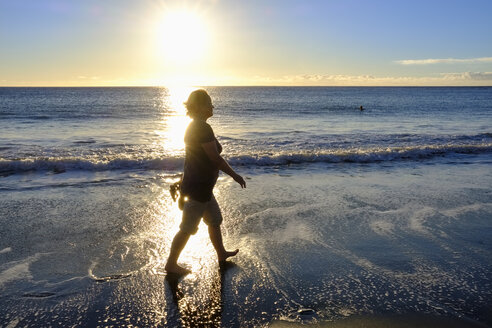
361,108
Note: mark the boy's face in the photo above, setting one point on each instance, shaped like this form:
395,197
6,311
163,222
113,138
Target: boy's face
207,109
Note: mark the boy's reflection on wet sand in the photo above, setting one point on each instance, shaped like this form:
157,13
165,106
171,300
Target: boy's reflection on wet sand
208,314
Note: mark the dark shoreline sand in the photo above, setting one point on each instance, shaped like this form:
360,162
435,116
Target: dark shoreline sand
343,245
390,321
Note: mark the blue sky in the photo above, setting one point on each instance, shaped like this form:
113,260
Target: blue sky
330,42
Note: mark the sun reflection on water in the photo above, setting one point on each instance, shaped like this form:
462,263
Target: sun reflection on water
199,292
199,255
173,120
143,291
197,296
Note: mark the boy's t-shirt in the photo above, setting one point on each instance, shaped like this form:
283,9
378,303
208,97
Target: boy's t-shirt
200,173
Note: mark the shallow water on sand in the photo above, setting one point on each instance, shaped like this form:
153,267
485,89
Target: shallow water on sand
318,242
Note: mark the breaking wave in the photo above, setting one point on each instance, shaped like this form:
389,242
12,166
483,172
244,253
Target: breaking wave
355,155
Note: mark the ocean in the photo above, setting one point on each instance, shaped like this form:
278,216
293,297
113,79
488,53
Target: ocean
350,218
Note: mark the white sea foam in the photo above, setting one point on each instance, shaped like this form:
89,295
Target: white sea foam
461,210
357,155
293,231
417,221
17,270
85,164
13,323
382,227
6,250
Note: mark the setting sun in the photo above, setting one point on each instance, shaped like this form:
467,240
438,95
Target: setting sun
182,37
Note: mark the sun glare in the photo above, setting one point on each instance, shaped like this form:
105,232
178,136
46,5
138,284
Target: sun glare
182,37
174,120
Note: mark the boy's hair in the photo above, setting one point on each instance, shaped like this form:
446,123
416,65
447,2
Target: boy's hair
195,99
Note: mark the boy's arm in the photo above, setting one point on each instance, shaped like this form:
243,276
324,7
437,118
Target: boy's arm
210,149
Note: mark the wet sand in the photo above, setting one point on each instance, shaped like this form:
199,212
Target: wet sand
330,245
388,321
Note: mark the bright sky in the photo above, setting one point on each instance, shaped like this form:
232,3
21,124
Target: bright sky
245,42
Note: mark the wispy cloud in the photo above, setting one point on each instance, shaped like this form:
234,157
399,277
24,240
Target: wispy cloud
449,79
444,61
468,76
83,77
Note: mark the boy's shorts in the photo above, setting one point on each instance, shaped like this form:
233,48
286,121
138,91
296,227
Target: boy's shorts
194,210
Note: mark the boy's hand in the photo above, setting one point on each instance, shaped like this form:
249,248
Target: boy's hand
239,179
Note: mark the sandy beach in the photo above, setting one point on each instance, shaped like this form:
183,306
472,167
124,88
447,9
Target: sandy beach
373,246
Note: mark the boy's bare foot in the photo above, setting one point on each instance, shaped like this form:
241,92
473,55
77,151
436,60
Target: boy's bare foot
226,255
176,269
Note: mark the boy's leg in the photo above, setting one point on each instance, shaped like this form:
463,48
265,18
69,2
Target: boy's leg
216,237
179,242
192,213
213,218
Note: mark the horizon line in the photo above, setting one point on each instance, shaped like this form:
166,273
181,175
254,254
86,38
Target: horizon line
246,86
